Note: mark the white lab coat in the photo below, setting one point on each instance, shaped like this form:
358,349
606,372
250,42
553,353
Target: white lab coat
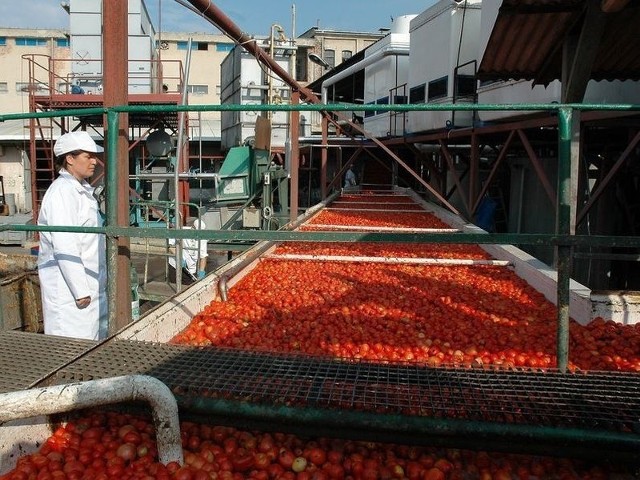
349,179
72,265
192,251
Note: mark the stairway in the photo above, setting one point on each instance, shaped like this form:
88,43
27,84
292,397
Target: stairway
42,161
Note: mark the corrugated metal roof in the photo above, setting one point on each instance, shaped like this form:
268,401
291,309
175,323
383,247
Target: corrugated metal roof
527,38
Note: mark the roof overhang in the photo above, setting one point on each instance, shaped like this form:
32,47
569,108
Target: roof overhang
530,40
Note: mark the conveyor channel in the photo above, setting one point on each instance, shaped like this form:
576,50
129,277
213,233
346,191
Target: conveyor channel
544,412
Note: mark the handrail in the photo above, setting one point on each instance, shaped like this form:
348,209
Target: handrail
36,63
551,107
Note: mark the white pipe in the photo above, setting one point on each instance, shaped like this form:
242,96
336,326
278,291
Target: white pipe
75,396
179,158
388,260
389,50
373,228
394,210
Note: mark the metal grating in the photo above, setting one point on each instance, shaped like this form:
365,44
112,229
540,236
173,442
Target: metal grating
27,358
596,401
582,414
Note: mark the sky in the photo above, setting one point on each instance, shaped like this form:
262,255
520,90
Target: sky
254,17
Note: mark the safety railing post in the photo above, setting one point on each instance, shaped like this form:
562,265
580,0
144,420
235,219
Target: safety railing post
112,213
563,227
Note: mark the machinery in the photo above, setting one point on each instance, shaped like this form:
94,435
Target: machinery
248,185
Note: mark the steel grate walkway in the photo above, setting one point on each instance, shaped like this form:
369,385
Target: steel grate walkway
600,403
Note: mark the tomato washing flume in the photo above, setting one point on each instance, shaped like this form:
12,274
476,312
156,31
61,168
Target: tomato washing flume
461,315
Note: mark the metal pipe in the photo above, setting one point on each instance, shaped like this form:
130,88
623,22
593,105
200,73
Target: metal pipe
75,396
178,165
388,260
398,428
222,288
209,10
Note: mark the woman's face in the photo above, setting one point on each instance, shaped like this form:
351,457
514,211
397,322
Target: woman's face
81,165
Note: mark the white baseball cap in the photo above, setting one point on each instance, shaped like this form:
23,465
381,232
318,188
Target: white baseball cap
199,224
80,140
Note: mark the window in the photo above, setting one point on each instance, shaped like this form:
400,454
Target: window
438,88
3,41
416,94
382,101
4,87
31,42
224,47
330,57
346,55
62,42
194,45
301,68
465,86
198,89
399,99
369,113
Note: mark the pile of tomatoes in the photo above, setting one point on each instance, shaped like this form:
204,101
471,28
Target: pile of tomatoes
115,445
388,250
359,218
459,315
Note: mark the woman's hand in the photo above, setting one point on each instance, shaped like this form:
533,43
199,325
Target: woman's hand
83,302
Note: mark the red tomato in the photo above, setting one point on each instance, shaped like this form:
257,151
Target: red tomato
261,460
193,443
434,474
334,471
183,473
132,437
285,458
317,456
242,460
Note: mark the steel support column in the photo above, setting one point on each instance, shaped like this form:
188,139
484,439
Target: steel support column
323,157
294,151
115,69
563,227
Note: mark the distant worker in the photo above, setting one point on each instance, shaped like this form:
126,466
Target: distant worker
194,255
349,179
72,266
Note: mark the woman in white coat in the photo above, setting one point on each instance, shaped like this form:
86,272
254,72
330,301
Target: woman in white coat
72,266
